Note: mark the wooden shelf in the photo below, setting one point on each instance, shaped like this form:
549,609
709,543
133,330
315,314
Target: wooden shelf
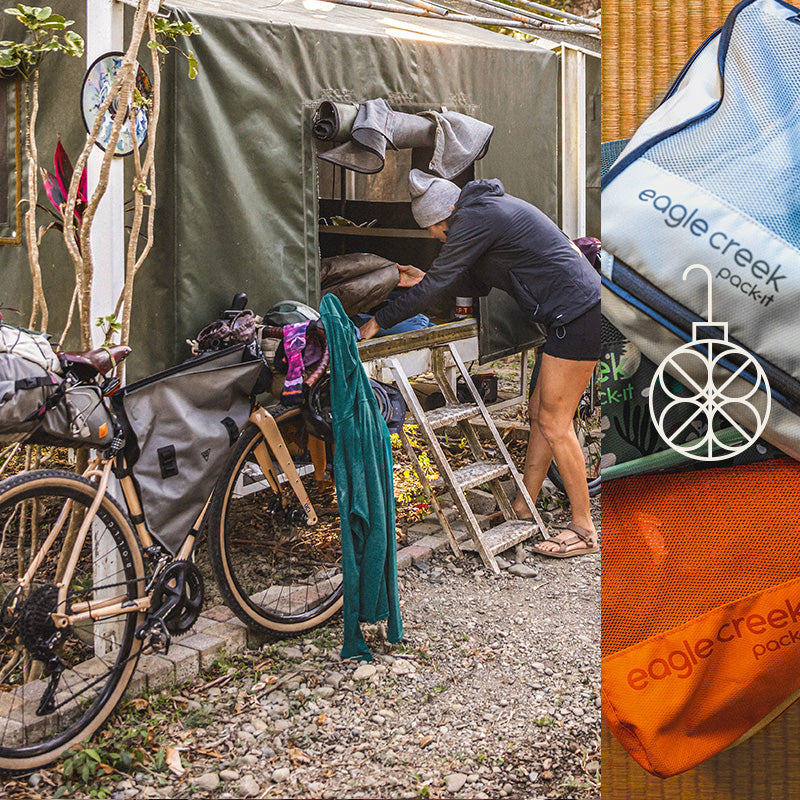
392,233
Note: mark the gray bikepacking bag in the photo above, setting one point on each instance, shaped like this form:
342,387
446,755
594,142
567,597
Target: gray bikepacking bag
712,177
180,426
38,405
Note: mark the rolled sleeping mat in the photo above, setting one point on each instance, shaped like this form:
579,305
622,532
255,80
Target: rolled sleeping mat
412,130
333,122
337,269
375,125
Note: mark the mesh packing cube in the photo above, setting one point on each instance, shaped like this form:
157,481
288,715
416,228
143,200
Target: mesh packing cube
700,609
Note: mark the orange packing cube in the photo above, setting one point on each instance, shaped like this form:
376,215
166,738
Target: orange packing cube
700,609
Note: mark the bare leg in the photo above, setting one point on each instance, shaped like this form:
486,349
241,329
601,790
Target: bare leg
558,390
537,458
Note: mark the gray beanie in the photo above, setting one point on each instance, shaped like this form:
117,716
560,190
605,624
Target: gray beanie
431,197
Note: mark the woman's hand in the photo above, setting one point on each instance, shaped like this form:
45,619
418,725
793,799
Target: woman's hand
369,328
409,276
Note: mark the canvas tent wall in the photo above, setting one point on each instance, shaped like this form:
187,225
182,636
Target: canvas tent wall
238,174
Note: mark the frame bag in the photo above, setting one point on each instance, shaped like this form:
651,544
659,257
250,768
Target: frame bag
180,426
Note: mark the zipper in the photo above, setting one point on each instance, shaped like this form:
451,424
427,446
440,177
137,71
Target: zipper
660,307
725,34
182,367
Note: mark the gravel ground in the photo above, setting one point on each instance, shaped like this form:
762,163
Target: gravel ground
494,692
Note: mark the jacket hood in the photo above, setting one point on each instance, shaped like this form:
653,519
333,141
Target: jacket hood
475,191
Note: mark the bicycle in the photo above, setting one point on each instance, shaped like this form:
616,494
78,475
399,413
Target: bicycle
87,588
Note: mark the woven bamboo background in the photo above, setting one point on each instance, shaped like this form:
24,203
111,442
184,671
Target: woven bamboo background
764,767
645,45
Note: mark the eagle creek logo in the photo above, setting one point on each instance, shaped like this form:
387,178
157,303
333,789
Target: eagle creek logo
761,633
740,267
711,417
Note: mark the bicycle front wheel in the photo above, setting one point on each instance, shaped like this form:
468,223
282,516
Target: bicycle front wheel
278,574
59,684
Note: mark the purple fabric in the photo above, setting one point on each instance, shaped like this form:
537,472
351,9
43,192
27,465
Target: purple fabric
590,247
294,340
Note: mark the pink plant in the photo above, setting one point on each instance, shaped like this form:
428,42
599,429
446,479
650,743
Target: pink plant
56,184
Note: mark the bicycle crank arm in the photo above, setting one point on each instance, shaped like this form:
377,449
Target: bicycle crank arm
272,435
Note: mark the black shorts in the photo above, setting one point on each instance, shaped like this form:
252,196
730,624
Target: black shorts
578,340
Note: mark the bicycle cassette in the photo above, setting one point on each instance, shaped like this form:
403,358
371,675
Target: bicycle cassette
178,596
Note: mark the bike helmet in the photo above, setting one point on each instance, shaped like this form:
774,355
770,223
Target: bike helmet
288,312
319,417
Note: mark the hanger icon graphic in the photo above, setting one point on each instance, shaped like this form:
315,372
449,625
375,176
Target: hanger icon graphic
709,398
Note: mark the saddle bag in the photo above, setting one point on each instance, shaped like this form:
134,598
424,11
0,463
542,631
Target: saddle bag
38,405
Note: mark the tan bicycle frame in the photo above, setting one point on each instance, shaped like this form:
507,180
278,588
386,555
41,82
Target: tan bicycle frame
111,606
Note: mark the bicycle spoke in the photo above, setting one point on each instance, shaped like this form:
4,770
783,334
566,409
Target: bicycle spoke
58,681
275,571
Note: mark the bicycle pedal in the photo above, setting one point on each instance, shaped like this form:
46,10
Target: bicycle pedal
158,637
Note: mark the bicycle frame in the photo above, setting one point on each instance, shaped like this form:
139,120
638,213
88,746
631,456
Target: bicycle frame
100,470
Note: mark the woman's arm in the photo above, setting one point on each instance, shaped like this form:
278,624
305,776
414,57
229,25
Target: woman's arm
448,276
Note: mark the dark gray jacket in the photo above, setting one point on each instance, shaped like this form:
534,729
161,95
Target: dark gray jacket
498,241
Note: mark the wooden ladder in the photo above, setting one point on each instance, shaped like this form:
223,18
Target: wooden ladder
512,531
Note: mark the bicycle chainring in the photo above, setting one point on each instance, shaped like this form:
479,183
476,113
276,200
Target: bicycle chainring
179,592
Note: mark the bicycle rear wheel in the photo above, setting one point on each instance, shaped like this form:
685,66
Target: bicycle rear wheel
278,574
58,685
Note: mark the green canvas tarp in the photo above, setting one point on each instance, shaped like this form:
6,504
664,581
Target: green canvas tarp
238,177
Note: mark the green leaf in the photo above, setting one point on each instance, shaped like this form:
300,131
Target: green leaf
92,753
69,766
194,66
51,26
74,42
7,60
42,13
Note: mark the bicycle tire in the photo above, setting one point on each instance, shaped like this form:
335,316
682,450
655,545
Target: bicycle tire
585,414
89,689
282,576
593,484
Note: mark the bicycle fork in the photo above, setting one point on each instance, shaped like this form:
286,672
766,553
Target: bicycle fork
272,435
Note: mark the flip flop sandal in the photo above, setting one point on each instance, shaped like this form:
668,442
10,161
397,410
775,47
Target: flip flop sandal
571,535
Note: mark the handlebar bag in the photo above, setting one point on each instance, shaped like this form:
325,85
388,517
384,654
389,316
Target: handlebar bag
712,177
180,426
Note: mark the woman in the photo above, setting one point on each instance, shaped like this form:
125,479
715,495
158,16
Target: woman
494,240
